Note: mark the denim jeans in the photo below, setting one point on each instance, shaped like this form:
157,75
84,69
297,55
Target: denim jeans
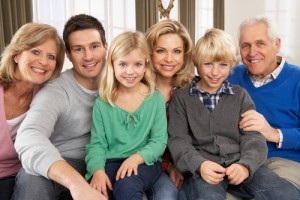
6,187
30,187
165,189
265,184
134,186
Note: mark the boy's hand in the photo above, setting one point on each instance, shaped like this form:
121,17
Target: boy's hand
237,173
99,182
212,172
129,166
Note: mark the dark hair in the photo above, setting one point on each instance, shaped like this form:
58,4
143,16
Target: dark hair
82,22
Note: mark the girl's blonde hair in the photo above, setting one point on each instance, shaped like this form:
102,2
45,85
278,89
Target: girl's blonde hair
121,46
27,37
183,76
215,45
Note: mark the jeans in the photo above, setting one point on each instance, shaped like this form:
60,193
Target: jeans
6,187
163,188
265,184
30,187
131,187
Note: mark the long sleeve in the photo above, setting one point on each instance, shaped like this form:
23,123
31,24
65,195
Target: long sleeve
33,145
180,142
279,102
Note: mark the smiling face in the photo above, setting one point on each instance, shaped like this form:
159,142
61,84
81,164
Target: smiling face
37,64
130,69
213,74
258,51
87,53
168,55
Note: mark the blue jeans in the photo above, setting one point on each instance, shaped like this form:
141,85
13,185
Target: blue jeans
265,184
134,186
6,187
165,189
30,187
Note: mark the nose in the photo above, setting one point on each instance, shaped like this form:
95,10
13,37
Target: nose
215,70
253,50
168,56
44,60
129,69
87,54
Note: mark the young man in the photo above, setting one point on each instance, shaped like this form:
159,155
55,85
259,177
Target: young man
273,84
205,139
51,141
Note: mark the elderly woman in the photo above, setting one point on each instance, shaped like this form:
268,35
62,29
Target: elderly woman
35,55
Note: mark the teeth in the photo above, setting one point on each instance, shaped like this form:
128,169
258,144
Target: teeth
129,79
254,61
38,70
89,65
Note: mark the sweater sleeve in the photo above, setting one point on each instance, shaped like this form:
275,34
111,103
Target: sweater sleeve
96,149
185,156
253,144
157,141
33,145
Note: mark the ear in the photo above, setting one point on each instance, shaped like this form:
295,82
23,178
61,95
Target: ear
16,58
68,54
105,46
278,45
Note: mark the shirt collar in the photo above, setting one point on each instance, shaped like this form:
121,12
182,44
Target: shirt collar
226,87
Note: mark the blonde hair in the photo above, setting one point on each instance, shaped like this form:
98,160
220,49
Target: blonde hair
183,76
121,46
27,37
215,45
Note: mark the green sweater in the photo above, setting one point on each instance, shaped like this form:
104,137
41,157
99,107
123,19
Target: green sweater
117,133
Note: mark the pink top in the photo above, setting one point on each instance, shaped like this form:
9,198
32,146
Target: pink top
9,162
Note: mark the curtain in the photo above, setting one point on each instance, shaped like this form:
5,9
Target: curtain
219,14
14,13
146,14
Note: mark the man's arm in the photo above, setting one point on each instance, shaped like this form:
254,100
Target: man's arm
64,174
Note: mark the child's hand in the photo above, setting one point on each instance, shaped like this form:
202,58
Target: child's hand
129,166
237,173
212,172
99,181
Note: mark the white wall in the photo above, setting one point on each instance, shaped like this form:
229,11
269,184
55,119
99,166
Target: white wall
283,12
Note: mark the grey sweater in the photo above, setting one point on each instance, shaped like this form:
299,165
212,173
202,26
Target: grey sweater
57,125
197,135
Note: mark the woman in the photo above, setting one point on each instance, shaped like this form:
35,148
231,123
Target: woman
35,55
171,49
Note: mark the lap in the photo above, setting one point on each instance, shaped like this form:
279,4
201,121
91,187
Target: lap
38,187
6,187
286,169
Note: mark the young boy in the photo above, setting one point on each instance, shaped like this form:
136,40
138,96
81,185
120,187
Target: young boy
205,138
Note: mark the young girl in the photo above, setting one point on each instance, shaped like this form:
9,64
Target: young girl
171,53
129,132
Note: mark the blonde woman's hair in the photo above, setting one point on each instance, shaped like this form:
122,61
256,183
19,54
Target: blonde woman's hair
121,46
183,76
215,45
27,37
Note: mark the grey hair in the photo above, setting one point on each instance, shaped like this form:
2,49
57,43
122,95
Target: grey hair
271,26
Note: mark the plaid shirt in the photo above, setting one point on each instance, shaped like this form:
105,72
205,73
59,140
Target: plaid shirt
210,101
